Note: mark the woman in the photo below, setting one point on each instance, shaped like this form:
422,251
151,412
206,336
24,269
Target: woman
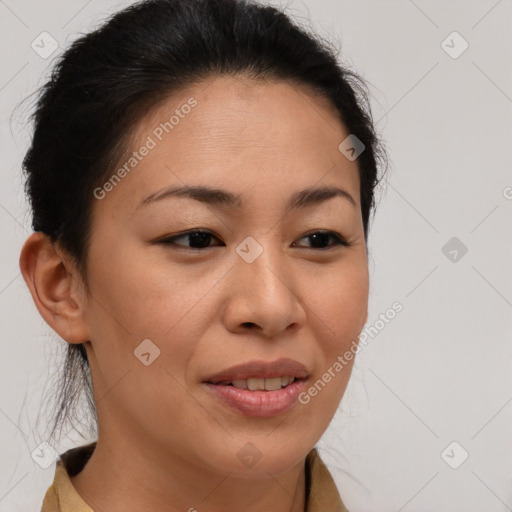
202,177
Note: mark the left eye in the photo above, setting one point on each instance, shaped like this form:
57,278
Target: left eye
201,239
321,237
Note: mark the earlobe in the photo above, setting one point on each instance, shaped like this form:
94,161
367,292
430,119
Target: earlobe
51,283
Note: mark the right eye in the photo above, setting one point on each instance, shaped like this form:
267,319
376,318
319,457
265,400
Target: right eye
199,239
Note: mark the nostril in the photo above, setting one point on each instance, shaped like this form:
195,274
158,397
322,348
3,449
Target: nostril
248,324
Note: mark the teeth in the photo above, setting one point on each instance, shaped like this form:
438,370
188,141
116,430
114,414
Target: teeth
256,384
273,384
289,380
240,384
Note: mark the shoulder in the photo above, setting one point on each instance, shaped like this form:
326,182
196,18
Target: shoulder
61,496
322,492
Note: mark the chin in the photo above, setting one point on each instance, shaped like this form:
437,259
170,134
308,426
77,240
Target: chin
257,458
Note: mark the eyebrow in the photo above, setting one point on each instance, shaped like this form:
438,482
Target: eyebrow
219,197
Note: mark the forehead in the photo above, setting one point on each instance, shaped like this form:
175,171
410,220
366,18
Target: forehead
250,134
240,111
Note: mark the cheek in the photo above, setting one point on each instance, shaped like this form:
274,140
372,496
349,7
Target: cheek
143,300
338,311
339,302
134,301
144,297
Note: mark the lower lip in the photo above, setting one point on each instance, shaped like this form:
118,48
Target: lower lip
262,404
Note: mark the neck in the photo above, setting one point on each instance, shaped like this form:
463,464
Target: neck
123,475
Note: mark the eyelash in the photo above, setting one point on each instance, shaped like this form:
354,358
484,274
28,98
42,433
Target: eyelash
339,240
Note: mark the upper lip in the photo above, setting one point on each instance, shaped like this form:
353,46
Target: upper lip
261,369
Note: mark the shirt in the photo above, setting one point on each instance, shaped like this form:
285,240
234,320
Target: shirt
321,491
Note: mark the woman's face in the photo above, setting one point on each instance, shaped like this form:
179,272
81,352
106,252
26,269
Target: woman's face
165,316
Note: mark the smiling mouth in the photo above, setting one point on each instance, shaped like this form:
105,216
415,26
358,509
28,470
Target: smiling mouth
259,384
259,397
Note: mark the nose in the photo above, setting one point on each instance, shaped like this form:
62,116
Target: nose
263,296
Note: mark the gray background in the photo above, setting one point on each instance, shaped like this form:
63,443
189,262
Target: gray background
440,371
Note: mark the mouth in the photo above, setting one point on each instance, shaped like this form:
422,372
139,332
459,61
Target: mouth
258,388
259,383
259,374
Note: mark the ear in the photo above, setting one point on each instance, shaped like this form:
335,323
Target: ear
56,288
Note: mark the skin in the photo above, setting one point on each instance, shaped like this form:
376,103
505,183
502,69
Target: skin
164,443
